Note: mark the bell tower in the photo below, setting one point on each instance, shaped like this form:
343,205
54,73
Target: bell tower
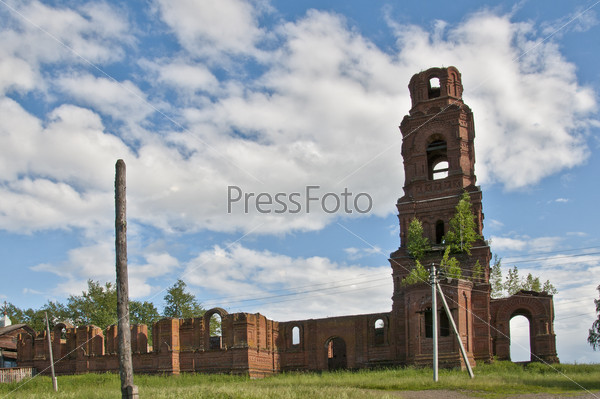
439,154
439,166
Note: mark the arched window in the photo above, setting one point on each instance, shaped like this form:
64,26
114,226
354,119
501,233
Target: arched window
296,335
379,332
433,89
216,340
439,231
440,170
428,324
444,324
437,160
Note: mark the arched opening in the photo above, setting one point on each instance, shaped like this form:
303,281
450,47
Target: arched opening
216,339
336,354
520,339
444,324
439,231
379,332
296,335
59,341
428,323
440,170
437,160
433,89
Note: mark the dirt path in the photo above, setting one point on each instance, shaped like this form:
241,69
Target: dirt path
470,395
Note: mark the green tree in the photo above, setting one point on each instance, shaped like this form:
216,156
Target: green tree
549,288
418,274
143,313
16,315
496,284
512,284
532,283
462,228
36,318
477,276
594,332
450,266
97,305
181,304
417,243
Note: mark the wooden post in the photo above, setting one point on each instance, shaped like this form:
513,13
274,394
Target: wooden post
54,383
128,390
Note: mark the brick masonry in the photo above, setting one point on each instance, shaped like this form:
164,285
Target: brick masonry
439,158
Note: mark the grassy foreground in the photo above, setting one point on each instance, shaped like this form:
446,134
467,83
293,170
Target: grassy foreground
491,381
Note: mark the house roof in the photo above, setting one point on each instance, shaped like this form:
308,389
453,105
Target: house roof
13,327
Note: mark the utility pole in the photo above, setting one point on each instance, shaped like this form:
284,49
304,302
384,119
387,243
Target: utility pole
54,383
433,280
128,390
460,343
435,288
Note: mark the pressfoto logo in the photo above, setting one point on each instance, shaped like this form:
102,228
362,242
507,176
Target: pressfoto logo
309,200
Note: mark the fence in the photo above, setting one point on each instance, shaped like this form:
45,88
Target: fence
16,374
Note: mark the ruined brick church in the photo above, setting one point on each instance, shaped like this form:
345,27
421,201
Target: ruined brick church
439,157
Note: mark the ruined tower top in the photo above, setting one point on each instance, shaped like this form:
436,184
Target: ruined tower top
435,87
439,153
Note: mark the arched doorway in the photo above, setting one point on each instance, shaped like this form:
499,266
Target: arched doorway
215,335
520,338
537,307
336,354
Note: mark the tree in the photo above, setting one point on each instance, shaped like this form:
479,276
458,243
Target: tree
477,275
36,319
594,333
417,243
549,288
449,266
496,278
462,228
181,304
16,315
143,313
97,305
512,285
532,283
418,274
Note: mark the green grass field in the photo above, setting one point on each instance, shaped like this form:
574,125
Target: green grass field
491,381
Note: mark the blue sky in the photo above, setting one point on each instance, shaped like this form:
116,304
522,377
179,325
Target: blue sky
272,97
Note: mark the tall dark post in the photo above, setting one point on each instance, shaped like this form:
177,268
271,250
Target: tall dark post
128,390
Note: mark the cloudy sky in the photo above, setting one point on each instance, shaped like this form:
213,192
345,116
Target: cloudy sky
212,103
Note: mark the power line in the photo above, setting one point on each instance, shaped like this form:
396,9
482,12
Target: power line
549,252
286,290
288,294
558,257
